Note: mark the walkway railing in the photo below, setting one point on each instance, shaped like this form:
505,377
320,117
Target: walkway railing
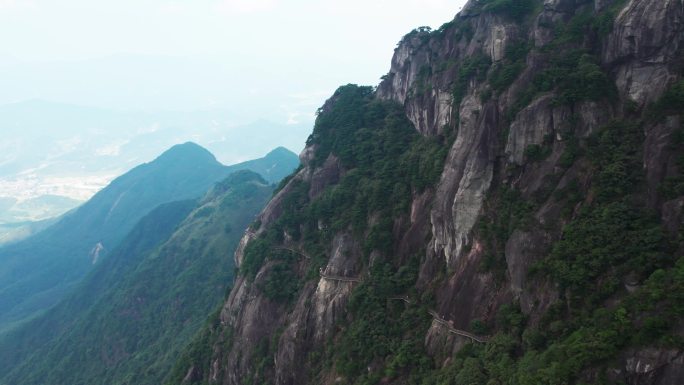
303,254
339,278
453,330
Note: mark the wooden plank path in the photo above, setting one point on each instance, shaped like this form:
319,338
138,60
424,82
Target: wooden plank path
445,323
323,275
339,278
303,254
451,329
404,298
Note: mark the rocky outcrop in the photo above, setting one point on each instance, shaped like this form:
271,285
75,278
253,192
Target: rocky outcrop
644,48
254,320
465,180
660,158
312,321
537,123
650,366
424,67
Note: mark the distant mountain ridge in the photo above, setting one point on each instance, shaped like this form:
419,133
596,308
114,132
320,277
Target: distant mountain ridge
58,140
36,272
52,148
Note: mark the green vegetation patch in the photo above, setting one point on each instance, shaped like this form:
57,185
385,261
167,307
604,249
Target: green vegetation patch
384,332
572,68
506,211
473,67
517,10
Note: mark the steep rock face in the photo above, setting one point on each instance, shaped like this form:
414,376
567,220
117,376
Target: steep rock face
414,65
250,316
518,102
650,366
466,178
314,317
644,48
642,52
534,124
311,321
660,157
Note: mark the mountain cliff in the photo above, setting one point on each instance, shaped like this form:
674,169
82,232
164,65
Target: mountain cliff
37,272
505,208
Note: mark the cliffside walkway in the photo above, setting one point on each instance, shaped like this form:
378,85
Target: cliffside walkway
445,323
323,275
339,278
451,329
303,254
405,298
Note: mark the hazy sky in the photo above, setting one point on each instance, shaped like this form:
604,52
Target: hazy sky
272,59
90,88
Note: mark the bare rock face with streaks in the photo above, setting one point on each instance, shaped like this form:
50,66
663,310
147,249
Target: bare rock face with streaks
644,46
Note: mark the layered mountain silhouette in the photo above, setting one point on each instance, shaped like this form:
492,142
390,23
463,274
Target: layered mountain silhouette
37,272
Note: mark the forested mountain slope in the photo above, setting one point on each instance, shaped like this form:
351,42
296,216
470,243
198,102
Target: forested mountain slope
37,272
505,208
127,321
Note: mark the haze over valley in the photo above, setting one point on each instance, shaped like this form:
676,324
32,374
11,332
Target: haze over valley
81,108
72,152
